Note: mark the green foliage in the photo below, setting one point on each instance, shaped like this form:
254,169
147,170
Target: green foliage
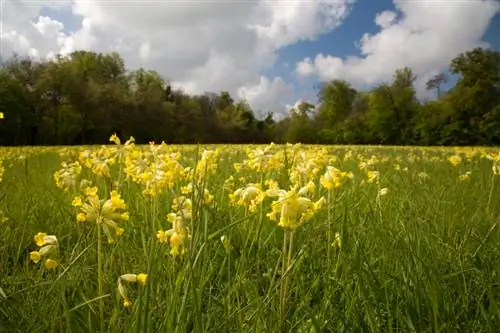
86,97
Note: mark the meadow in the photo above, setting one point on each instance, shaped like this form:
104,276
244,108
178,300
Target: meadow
227,238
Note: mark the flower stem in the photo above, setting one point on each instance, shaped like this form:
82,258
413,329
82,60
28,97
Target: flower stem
99,277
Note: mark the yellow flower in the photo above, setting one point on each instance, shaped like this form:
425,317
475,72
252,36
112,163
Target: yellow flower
2,115
77,202
81,217
333,178
294,210
104,212
127,303
35,256
50,264
114,138
91,191
455,159
119,231
373,176
142,278
40,238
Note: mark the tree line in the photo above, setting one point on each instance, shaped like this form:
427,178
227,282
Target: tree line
83,98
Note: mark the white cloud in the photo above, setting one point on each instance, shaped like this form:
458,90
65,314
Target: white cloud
204,45
267,96
426,37
385,18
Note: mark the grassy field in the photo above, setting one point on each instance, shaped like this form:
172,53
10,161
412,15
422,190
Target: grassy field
158,238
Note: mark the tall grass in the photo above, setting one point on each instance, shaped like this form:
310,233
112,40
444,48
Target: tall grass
425,257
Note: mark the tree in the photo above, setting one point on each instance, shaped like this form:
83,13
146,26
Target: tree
435,83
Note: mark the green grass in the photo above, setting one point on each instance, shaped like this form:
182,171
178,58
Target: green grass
425,258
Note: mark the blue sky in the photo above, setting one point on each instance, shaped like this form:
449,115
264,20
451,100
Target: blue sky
303,46
342,43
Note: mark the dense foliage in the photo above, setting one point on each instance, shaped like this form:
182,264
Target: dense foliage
249,238
83,98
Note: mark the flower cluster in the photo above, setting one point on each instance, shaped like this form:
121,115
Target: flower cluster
48,248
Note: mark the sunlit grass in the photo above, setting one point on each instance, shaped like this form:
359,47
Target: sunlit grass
415,249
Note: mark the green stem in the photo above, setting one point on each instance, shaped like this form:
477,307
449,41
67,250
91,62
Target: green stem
284,269
492,187
329,222
99,276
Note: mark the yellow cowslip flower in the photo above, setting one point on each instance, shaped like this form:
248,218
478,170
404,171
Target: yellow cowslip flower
50,264
250,196
333,178
91,191
2,116
39,238
35,256
142,278
42,239
66,178
81,217
308,189
48,246
106,213
77,202
293,209
176,237
130,278
373,176
455,159
127,303
114,138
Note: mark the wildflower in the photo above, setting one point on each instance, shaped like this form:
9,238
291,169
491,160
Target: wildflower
65,178
178,235
106,213
77,202
142,278
455,160
115,139
48,247
294,210
250,196
130,278
2,115
50,264
373,176
333,178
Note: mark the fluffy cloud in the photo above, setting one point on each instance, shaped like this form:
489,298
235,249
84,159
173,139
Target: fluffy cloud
425,37
201,45
267,95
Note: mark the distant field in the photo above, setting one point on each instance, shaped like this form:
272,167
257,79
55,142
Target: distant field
160,238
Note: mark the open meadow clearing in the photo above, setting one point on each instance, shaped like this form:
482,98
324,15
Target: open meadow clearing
227,238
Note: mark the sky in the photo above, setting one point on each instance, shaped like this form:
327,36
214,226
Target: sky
270,52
